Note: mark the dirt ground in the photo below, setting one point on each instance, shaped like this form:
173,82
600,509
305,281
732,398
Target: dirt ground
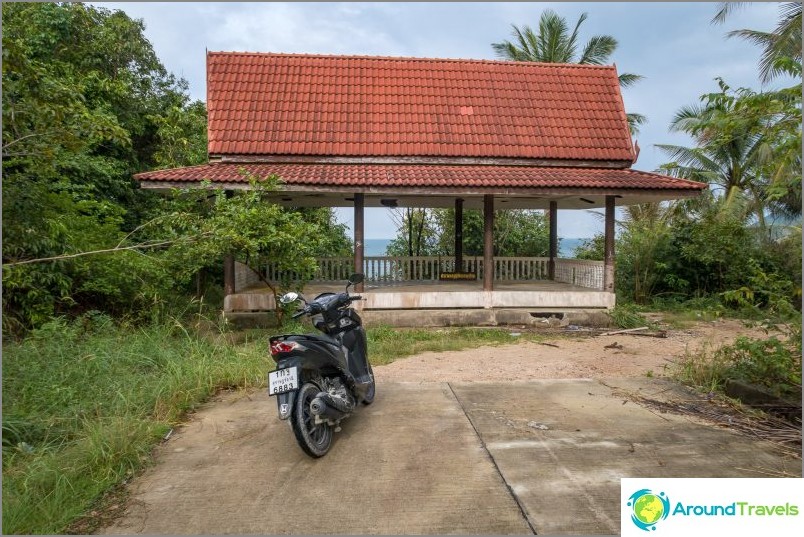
213,475
566,357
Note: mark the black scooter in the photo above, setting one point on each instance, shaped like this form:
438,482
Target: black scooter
320,379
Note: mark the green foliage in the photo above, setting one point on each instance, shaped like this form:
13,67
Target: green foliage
712,253
773,363
640,250
84,102
181,136
432,231
333,240
417,233
593,249
765,294
707,252
84,402
781,48
209,223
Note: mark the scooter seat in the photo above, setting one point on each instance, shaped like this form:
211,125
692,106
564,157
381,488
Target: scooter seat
323,338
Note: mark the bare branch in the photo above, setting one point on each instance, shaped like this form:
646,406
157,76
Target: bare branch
118,248
12,142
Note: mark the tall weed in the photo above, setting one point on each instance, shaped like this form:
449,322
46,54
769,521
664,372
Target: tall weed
85,401
773,362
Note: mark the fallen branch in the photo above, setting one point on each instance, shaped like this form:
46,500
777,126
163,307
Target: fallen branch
627,331
660,333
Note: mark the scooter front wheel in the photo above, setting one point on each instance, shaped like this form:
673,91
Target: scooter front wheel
314,439
372,390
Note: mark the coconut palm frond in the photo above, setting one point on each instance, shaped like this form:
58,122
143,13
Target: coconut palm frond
553,38
629,79
689,119
781,48
505,50
598,50
634,121
777,51
725,9
572,42
693,163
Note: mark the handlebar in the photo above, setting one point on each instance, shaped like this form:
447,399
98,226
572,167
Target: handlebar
313,308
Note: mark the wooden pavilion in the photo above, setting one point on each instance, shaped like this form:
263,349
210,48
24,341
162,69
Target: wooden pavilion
359,131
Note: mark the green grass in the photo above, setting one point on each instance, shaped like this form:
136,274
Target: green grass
83,406
85,402
628,316
387,344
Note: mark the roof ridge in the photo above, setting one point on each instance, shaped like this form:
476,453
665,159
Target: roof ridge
405,58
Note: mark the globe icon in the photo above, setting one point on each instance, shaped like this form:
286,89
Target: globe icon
648,509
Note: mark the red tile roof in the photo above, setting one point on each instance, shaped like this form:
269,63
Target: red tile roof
418,175
283,104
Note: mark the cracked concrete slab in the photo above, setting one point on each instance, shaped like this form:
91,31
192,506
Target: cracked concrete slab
434,458
410,463
563,446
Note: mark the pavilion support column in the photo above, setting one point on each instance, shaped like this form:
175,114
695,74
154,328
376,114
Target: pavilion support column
228,267
488,242
551,265
359,232
608,259
458,235
228,275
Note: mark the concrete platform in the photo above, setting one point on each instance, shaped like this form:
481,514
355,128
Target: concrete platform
441,295
419,304
540,457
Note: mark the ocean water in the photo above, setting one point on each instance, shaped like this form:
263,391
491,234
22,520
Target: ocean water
566,249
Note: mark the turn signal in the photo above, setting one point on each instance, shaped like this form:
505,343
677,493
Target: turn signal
280,347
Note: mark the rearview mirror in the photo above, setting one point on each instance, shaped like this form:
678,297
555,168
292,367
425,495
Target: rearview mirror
356,278
289,298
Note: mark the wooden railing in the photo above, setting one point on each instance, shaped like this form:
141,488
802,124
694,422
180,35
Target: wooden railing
428,268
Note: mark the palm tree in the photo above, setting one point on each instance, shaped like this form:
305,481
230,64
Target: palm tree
781,55
553,43
734,150
781,48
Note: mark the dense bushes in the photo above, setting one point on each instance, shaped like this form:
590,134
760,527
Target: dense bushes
677,256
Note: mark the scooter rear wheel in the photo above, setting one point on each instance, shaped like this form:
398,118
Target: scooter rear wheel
314,439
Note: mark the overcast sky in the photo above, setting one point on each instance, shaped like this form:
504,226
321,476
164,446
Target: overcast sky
672,44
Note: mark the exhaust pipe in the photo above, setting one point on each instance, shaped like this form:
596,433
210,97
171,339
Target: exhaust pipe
320,408
332,407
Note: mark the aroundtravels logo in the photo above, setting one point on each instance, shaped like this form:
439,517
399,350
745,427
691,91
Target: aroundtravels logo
710,506
648,508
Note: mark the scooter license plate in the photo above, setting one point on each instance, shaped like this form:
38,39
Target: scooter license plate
283,380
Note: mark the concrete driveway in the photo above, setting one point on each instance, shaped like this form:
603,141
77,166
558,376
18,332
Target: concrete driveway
530,457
